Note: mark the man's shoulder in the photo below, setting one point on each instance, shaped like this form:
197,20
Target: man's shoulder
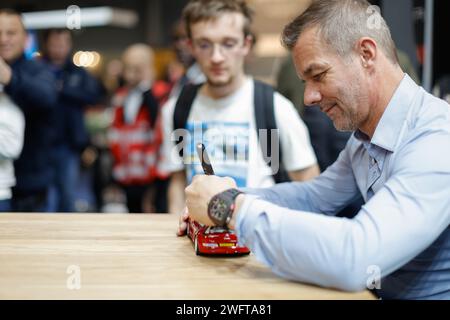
34,68
281,101
430,115
424,144
31,65
285,111
168,108
433,110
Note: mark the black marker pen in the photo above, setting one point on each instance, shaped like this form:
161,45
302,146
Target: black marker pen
204,159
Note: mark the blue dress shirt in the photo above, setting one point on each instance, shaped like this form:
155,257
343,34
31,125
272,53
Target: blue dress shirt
399,243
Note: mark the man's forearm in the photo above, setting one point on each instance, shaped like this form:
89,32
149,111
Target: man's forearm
286,241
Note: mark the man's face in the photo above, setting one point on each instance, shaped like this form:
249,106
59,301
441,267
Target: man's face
58,46
220,48
181,45
338,86
12,37
136,68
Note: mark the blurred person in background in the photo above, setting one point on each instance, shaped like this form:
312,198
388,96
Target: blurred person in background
97,158
136,134
112,78
76,90
12,126
32,87
191,72
442,88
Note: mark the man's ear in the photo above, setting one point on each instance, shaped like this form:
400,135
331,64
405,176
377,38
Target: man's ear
367,50
190,47
248,43
190,43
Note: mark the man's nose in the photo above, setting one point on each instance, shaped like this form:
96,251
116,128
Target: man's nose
312,95
217,54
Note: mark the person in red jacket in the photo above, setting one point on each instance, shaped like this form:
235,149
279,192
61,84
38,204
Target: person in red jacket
135,135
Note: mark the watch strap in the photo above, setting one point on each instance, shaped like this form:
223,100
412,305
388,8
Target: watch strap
229,195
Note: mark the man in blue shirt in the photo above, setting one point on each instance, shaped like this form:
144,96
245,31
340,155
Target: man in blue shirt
398,158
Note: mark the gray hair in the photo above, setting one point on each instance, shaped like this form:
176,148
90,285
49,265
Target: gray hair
342,23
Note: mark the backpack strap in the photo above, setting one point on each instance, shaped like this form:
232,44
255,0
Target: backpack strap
265,119
183,108
152,105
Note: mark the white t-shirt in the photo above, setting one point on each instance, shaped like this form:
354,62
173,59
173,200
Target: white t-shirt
227,127
12,126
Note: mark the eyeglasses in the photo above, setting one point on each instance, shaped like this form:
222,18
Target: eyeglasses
206,47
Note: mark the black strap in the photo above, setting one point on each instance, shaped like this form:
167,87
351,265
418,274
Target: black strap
183,108
152,105
265,119
184,104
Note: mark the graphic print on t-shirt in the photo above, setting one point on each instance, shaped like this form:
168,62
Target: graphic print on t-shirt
227,144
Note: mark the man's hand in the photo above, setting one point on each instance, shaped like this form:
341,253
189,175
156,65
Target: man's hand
182,223
5,72
88,156
200,192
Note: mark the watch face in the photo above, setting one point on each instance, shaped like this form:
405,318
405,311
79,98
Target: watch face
219,209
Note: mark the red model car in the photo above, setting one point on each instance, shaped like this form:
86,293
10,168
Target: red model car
213,240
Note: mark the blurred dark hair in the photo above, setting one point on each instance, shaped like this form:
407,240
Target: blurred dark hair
10,11
204,10
47,33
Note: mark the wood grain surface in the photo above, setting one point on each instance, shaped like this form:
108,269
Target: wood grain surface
128,257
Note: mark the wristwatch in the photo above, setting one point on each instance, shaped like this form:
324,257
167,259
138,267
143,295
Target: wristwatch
221,207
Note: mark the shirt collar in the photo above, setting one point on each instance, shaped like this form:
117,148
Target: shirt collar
388,129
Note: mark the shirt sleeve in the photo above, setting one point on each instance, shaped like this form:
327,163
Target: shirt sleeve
298,153
328,193
170,158
400,221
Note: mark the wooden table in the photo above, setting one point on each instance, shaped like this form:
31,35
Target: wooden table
113,256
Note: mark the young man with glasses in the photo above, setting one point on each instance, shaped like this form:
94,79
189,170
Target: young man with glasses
222,114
